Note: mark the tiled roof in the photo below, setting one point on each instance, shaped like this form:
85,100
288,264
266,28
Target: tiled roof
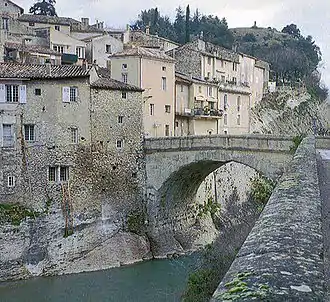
47,19
111,84
103,72
13,70
144,53
31,48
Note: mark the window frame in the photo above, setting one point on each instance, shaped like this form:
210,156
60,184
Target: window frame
152,109
11,181
164,83
73,96
57,27
37,90
119,144
124,95
167,108
29,136
12,95
120,119
124,77
167,130
74,135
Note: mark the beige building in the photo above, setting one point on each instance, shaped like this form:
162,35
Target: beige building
153,71
241,80
197,106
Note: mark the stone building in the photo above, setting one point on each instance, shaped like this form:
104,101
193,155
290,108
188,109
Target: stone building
56,124
30,54
153,71
241,80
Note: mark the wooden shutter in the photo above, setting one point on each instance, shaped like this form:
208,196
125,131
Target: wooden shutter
66,94
2,93
22,94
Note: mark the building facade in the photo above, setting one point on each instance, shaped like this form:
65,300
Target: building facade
241,81
153,71
58,123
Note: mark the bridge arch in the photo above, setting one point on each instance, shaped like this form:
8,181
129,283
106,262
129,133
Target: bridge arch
176,167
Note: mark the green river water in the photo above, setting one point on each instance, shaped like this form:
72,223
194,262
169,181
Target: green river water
156,281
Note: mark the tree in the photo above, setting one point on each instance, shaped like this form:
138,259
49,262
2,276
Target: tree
44,7
155,23
187,25
179,25
292,30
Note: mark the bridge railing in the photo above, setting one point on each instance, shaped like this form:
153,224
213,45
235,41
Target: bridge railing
239,142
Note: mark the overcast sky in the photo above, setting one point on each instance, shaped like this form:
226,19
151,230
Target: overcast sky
312,17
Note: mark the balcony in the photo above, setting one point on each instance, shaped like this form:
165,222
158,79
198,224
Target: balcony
207,113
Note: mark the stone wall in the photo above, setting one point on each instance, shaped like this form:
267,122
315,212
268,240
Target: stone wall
104,193
282,258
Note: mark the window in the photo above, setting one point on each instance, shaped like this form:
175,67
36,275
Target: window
238,119
211,105
167,130
152,109
225,102
52,174
74,135
124,95
119,143
208,75
210,91
168,108
223,78
199,89
58,48
5,23
31,24
57,27
29,133
64,173
7,135
80,52
222,64
234,66
58,173
225,119
124,77
120,119
238,103
176,124
181,88
73,94
209,60
11,181
124,66
108,48
234,80
164,83
37,91
12,93
163,68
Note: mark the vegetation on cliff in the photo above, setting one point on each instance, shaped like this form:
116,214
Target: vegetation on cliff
15,213
218,257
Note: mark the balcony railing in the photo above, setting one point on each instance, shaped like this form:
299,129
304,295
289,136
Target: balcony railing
201,112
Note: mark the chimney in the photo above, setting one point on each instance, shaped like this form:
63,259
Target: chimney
85,21
48,68
147,29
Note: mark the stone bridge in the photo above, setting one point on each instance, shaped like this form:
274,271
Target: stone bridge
178,165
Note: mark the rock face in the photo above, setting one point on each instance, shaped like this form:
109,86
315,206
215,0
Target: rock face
37,247
290,112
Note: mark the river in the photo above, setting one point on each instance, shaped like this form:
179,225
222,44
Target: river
154,281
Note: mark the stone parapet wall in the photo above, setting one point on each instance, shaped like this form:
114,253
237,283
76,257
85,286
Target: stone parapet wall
266,143
282,258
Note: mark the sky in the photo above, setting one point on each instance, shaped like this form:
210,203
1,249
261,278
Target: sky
311,17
